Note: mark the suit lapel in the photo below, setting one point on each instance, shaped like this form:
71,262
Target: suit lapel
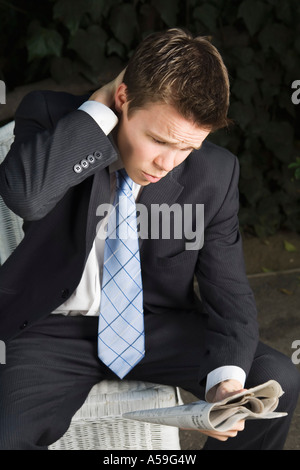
100,194
166,191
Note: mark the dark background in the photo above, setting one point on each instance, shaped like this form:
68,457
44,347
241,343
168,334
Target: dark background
77,44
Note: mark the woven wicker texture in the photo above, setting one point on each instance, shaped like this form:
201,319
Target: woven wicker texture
11,224
99,425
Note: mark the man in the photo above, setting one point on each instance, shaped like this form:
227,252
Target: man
59,173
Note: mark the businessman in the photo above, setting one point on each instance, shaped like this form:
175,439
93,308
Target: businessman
144,134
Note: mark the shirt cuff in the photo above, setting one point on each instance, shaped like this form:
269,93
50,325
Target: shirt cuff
225,373
104,116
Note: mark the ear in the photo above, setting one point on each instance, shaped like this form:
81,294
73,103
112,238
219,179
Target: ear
121,97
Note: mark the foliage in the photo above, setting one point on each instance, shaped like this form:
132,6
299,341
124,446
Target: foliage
296,165
259,41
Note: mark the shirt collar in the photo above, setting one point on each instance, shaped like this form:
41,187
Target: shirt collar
118,165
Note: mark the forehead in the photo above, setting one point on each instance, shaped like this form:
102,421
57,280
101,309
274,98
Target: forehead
166,122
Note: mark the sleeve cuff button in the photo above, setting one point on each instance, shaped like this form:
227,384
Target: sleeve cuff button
77,168
98,155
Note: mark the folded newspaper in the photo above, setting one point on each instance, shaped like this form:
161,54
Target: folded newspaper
255,403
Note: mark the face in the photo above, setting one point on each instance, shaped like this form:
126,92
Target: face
154,140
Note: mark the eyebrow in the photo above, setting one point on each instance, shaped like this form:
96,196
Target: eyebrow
163,139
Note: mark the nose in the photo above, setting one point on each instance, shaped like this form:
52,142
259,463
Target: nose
166,160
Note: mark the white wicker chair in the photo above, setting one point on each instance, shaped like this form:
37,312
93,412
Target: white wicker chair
98,424
11,225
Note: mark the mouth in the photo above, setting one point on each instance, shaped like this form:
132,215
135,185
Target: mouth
151,178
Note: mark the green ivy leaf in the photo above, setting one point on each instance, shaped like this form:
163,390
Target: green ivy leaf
272,137
208,15
261,230
274,36
108,5
244,92
289,246
284,11
246,186
243,55
70,13
123,23
254,14
168,10
242,114
64,69
286,291
90,45
247,168
95,8
295,164
115,47
43,42
249,72
266,270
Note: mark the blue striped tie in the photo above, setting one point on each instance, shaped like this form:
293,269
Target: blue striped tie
121,319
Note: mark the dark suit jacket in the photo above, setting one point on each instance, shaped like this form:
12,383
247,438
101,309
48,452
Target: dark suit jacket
38,182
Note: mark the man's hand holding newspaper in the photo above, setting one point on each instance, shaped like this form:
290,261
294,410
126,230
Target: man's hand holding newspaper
224,415
221,391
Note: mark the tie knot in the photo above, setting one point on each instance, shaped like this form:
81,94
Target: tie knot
124,182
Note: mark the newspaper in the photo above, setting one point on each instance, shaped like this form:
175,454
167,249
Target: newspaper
255,403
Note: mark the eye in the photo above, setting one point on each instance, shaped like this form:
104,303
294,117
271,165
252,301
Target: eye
158,141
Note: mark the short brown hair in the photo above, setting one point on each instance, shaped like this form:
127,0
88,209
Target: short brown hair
175,68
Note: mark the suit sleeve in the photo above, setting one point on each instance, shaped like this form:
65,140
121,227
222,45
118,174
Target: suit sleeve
228,302
47,158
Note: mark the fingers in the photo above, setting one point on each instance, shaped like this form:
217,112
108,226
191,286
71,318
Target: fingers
226,389
240,425
106,94
224,436
120,77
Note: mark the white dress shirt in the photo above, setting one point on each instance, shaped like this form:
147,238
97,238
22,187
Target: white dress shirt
86,298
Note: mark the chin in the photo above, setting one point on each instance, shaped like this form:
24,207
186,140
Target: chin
139,179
